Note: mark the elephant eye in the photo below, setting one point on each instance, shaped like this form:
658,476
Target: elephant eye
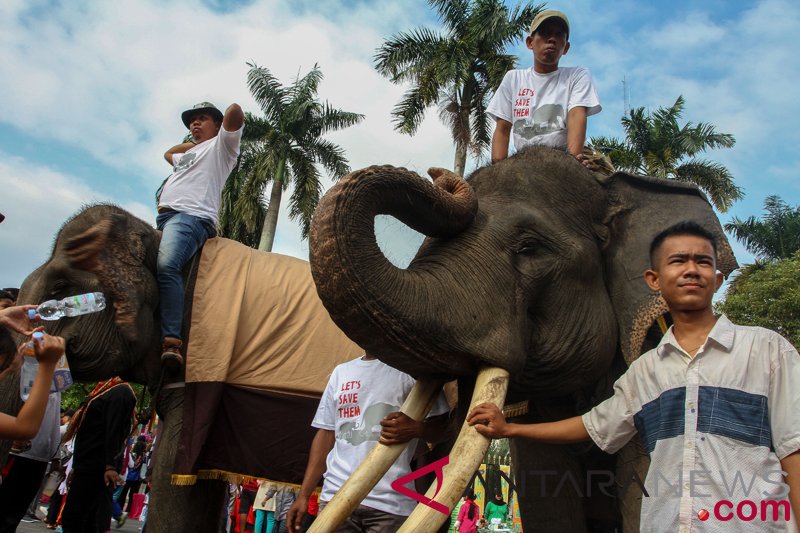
58,287
528,246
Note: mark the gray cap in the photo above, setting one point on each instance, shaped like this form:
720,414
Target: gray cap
202,106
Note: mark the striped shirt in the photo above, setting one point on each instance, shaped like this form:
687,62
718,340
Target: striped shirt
715,425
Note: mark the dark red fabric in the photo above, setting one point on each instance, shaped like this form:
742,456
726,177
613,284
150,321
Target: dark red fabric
245,431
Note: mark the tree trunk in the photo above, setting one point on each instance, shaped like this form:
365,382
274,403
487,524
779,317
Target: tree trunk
197,507
463,125
461,158
271,216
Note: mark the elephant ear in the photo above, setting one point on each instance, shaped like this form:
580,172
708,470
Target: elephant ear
118,250
640,208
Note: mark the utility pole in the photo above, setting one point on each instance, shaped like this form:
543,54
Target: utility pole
626,98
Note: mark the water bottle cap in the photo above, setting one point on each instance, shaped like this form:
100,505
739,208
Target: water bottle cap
31,314
38,335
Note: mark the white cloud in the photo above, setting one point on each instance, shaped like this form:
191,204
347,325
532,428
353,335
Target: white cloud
110,79
36,201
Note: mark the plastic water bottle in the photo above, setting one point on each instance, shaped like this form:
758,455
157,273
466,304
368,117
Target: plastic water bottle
62,377
81,304
30,367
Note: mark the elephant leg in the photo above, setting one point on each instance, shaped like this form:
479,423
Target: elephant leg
196,507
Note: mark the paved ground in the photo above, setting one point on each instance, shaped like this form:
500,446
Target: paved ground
130,526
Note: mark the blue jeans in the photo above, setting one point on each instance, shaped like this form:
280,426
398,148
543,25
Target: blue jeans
182,236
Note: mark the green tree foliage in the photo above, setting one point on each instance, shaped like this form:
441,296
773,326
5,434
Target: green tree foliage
458,68
283,146
656,145
767,295
775,236
73,396
242,210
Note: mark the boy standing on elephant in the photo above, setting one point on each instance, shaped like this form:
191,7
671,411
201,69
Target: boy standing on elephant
713,402
545,105
188,207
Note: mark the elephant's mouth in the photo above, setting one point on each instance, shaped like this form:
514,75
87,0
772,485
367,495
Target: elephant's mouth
84,365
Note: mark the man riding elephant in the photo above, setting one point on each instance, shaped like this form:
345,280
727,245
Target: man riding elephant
188,207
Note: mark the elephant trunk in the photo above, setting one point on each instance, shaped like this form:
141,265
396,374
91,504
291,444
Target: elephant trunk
380,306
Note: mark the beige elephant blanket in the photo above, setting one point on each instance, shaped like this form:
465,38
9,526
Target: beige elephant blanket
259,353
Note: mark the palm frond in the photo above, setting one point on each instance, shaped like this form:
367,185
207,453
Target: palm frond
267,91
715,180
776,236
255,128
637,127
398,56
454,14
621,154
330,155
409,112
670,115
695,139
307,190
442,68
481,128
305,88
332,119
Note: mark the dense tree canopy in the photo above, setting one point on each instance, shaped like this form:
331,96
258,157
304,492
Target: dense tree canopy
457,68
656,145
767,295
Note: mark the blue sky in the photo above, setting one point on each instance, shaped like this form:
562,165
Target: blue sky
92,92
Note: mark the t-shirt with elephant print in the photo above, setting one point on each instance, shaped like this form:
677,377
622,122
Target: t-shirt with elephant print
358,395
195,185
537,104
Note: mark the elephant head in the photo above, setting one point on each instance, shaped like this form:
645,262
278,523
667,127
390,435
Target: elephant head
103,248
533,264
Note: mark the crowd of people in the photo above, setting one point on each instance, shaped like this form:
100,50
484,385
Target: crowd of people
103,468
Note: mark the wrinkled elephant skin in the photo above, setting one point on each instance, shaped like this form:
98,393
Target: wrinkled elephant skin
534,264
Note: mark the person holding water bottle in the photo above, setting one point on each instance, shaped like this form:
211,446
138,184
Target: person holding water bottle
47,349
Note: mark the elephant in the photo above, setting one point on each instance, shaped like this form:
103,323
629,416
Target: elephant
104,248
533,264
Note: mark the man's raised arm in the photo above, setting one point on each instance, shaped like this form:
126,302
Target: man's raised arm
233,118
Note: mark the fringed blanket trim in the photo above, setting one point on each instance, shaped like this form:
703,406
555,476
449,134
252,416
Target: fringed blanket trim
516,409
231,477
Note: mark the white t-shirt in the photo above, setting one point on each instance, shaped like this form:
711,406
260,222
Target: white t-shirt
195,185
45,444
537,104
358,395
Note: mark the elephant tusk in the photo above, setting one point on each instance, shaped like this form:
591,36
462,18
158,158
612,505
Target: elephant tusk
467,454
377,463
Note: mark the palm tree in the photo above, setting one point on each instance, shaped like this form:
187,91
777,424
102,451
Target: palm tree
776,236
242,211
285,146
457,69
656,145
